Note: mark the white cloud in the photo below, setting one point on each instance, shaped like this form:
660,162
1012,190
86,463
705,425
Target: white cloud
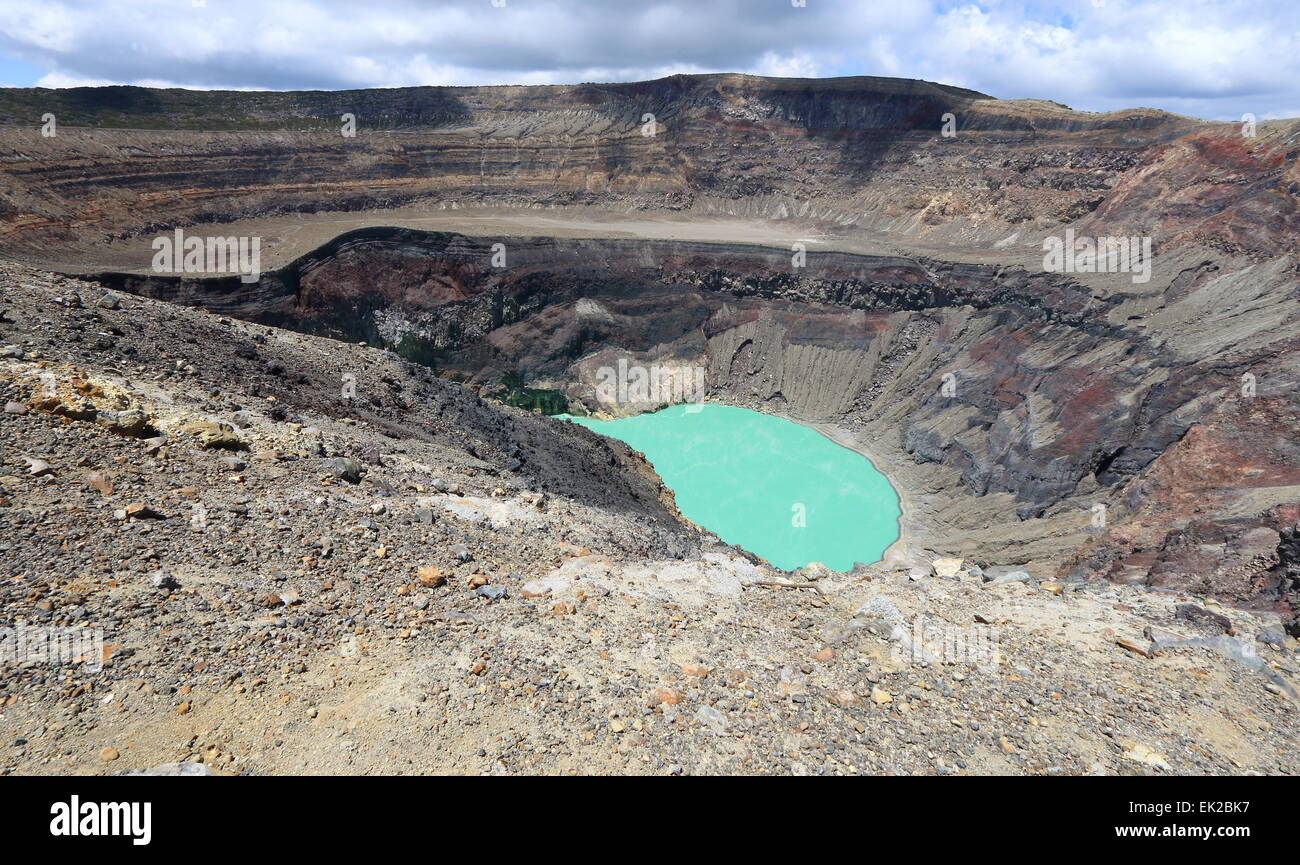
1195,56
59,79
793,66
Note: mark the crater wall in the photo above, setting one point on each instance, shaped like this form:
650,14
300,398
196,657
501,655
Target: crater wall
1063,402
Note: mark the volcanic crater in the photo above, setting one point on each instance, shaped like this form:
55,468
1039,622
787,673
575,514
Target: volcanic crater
821,248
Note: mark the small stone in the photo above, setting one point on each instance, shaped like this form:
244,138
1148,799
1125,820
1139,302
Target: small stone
698,671
1133,647
1010,577
108,755
345,469
1200,615
492,593
215,435
946,567
881,696
163,580
1141,753
38,468
132,422
430,577
666,696
712,718
814,571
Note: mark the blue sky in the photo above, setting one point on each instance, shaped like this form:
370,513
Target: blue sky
17,73
1208,58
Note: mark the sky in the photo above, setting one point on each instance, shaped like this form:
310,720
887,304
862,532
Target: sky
1217,59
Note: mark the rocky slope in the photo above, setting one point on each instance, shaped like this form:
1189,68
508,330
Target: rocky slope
292,582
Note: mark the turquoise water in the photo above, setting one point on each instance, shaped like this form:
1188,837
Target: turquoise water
778,489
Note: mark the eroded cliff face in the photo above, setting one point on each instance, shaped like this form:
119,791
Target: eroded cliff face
857,153
1076,433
